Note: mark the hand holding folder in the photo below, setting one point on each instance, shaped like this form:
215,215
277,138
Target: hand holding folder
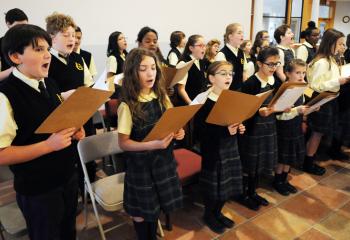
173,75
320,100
235,107
75,111
287,95
171,121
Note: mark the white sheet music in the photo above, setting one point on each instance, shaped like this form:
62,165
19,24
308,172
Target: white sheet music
118,78
201,98
288,98
345,70
101,82
319,104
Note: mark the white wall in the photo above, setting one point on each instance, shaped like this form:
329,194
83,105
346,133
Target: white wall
342,9
99,18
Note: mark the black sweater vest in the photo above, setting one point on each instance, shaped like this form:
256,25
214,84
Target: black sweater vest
120,63
30,109
86,56
196,81
238,64
69,76
178,54
311,53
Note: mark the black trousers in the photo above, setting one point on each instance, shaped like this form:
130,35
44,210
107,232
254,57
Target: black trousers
51,216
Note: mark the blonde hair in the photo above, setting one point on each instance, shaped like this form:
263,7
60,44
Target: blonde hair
58,22
209,55
231,28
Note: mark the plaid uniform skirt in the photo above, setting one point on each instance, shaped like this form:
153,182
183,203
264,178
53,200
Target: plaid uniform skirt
223,180
258,146
291,144
151,184
344,127
325,120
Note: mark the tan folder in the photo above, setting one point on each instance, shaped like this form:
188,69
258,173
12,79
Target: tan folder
287,95
171,121
75,111
173,75
235,107
345,70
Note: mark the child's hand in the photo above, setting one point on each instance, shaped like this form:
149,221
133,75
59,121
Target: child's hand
241,128
80,134
233,128
287,110
163,143
302,109
60,140
170,91
344,80
179,135
265,111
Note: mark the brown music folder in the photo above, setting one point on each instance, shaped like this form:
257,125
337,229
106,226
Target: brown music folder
172,120
173,75
75,111
320,100
287,95
235,107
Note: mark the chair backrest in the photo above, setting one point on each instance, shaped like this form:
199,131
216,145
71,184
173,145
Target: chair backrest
98,146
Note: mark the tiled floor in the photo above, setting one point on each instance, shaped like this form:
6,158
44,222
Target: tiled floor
320,211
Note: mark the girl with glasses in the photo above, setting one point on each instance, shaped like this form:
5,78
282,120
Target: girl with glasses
258,146
221,173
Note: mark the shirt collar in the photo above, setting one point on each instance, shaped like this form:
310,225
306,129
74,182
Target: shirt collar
283,47
33,83
270,80
78,51
55,53
233,49
308,44
147,97
196,61
213,96
181,50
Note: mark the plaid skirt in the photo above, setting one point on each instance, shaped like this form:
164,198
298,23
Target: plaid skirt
258,146
151,184
325,120
344,127
223,180
291,144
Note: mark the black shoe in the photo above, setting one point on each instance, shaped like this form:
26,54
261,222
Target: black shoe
214,224
281,188
225,221
337,155
248,202
290,187
315,169
259,199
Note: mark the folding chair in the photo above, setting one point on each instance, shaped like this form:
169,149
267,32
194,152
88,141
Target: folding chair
12,221
107,192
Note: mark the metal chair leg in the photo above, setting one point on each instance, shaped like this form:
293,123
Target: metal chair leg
161,232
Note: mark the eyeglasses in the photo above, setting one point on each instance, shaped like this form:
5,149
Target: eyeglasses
200,45
225,74
273,65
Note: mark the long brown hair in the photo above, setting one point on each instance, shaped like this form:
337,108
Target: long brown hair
131,87
208,53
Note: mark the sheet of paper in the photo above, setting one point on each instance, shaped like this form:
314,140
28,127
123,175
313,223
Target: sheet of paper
101,82
201,98
345,70
314,107
288,98
118,79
